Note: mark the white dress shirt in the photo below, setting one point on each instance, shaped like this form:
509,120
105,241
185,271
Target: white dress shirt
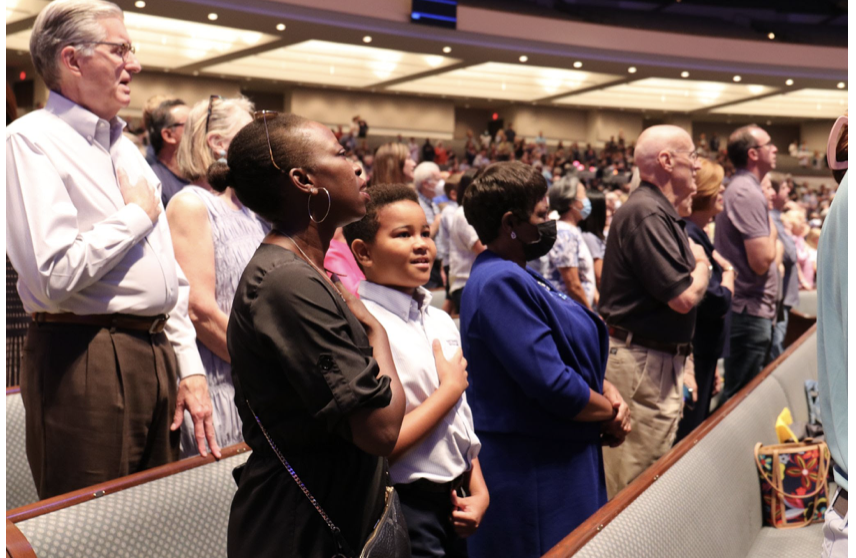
76,245
412,324
462,238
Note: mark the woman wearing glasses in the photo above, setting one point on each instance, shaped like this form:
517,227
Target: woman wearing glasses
214,235
313,371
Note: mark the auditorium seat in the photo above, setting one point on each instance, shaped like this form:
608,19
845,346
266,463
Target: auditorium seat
20,487
703,498
182,515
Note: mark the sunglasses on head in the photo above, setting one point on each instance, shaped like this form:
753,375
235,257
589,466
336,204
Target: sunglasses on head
263,114
210,108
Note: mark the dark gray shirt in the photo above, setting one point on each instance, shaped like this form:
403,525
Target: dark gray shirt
648,262
745,217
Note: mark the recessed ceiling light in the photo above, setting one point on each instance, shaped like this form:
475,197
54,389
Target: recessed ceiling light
789,82
737,78
447,49
280,27
140,4
578,64
212,16
196,73
367,39
631,70
771,35
841,85
524,58
685,74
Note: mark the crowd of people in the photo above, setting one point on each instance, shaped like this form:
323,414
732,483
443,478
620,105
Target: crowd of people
260,279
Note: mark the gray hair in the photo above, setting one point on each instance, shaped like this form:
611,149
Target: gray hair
63,23
423,172
563,192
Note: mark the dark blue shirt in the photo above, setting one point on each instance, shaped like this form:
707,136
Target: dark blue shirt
713,320
533,353
170,183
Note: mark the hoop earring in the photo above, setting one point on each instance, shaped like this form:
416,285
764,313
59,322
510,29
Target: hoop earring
309,207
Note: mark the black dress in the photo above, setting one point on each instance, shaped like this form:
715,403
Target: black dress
304,362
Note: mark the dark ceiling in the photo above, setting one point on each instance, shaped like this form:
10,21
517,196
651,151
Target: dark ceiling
810,22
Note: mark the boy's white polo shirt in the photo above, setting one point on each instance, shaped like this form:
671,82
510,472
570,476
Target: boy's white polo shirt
412,324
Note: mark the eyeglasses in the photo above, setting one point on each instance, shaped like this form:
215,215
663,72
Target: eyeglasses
692,153
210,107
263,114
124,48
762,146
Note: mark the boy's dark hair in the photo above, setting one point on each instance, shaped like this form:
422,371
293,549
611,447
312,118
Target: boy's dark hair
499,188
382,195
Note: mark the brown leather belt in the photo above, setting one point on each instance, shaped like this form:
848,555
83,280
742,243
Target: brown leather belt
840,503
683,349
150,324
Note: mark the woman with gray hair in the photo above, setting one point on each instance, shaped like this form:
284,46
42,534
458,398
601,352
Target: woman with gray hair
214,236
569,265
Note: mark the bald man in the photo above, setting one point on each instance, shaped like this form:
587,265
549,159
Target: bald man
653,278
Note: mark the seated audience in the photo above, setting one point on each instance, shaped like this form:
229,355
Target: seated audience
214,236
536,361
434,465
311,366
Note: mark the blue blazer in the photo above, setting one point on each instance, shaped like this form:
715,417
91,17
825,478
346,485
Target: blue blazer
533,353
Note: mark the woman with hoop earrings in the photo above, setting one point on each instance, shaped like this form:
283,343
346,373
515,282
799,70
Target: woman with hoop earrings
315,382
214,236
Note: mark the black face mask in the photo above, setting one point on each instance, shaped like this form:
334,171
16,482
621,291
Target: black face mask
545,242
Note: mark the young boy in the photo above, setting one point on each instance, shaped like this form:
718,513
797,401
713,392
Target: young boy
434,465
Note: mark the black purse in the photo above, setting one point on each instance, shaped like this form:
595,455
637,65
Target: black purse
388,539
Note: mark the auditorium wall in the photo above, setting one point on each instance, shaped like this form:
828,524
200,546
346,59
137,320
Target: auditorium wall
385,114
780,134
190,90
815,134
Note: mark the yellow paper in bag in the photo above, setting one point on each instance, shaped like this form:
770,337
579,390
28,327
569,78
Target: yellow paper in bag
783,423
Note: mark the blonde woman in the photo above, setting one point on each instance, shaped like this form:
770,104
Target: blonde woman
393,164
214,236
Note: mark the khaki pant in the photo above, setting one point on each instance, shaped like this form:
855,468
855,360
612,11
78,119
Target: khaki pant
651,382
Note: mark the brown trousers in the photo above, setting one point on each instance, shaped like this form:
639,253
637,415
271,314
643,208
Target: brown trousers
98,404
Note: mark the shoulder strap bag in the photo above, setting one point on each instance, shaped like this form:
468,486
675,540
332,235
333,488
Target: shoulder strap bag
388,539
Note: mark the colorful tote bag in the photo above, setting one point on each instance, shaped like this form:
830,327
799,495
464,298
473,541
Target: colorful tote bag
793,482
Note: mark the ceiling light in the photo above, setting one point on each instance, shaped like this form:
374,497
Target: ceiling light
841,85
578,64
771,35
524,58
280,27
447,49
140,4
789,82
212,16
631,70
367,39
685,74
737,78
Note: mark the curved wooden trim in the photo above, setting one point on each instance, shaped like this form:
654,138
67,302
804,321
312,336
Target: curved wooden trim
580,536
17,545
110,487
12,390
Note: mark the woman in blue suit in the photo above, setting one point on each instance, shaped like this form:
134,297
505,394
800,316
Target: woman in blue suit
536,368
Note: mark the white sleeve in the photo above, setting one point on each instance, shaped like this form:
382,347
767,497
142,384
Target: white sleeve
181,333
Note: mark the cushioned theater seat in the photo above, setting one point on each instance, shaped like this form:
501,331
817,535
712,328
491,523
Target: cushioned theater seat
20,487
708,504
183,515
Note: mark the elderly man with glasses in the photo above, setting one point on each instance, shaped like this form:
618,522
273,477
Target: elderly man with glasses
746,236
110,363
653,278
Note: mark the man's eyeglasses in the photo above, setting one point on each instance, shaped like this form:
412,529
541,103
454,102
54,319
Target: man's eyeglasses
263,114
691,153
210,107
123,48
762,146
